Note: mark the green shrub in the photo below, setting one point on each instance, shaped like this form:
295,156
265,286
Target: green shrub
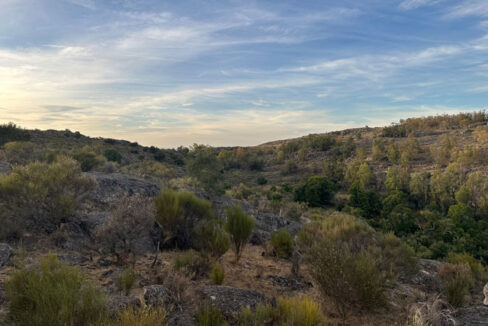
113,155
209,315
210,239
141,316
184,259
126,279
177,214
217,274
282,243
240,227
87,159
54,295
297,311
262,181
347,259
294,311
458,280
290,167
41,192
20,152
206,168
317,191
10,132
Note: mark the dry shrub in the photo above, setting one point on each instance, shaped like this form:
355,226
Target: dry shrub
130,220
458,280
433,313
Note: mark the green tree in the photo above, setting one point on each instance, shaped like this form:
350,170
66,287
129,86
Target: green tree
240,226
317,191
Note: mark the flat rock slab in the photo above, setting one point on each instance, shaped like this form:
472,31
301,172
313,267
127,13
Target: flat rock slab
231,300
156,295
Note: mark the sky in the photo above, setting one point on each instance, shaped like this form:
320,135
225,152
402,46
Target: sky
170,73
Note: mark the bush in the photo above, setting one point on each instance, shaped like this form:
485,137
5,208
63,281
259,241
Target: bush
184,259
40,193
18,152
10,132
87,159
262,181
131,218
113,155
350,262
217,274
294,311
240,227
177,215
290,167
125,280
458,280
210,239
209,315
282,243
141,316
477,268
317,192
54,295
206,168
297,311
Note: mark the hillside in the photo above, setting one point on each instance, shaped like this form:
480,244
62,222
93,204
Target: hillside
401,212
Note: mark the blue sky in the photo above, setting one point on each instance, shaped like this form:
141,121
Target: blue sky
171,73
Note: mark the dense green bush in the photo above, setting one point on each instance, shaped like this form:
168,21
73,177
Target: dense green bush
113,155
42,194
240,227
317,192
10,132
290,167
478,270
54,294
217,274
262,181
87,159
177,215
282,243
210,239
184,259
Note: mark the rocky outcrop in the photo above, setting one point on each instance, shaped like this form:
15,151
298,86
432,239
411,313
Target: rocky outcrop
6,254
117,303
472,316
110,184
4,167
156,295
230,300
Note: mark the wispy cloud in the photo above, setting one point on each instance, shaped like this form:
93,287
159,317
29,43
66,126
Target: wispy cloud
468,8
414,4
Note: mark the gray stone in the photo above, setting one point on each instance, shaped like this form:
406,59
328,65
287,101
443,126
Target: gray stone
116,303
4,167
231,300
156,295
473,316
6,253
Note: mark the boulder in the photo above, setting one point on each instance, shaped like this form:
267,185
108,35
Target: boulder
427,277
156,295
6,253
472,316
110,184
231,300
4,167
116,303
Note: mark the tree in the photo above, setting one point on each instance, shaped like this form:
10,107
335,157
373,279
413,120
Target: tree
419,188
317,191
365,175
206,168
378,149
240,227
397,179
393,152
